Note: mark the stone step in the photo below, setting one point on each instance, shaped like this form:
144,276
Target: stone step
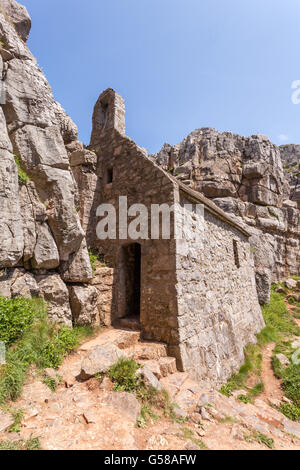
129,323
147,351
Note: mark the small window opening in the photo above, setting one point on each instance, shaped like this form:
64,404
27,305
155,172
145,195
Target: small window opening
236,254
109,175
103,114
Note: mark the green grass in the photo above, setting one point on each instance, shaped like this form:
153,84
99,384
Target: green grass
16,315
33,443
261,438
42,345
227,419
123,375
18,416
252,365
279,327
188,433
22,175
94,258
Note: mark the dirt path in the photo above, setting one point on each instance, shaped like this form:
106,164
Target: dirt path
272,385
89,415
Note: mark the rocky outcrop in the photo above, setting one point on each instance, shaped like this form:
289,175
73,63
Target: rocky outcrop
42,241
290,155
18,15
245,177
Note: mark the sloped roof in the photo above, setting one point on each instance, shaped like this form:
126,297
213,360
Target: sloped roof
209,205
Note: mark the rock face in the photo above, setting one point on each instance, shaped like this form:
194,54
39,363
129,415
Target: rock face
245,177
290,155
42,241
18,15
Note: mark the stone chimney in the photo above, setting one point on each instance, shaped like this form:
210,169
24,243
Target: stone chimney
109,114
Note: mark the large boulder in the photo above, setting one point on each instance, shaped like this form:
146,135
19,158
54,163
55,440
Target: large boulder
83,300
99,360
54,291
11,233
45,255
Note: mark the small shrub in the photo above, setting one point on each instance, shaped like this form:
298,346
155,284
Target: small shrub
123,375
16,315
22,175
33,443
50,383
146,414
18,416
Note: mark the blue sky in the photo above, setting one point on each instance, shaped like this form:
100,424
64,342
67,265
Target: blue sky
179,64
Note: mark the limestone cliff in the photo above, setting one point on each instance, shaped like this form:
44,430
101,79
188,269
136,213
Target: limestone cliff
290,155
246,178
42,242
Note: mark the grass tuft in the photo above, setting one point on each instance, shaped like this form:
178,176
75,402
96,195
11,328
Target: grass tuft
41,344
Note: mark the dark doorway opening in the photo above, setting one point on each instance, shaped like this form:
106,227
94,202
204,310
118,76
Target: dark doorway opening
132,280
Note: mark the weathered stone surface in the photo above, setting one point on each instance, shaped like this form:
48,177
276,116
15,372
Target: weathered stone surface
125,403
18,15
54,291
29,97
149,378
83,300
291,284
99,360
78,267
45,255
